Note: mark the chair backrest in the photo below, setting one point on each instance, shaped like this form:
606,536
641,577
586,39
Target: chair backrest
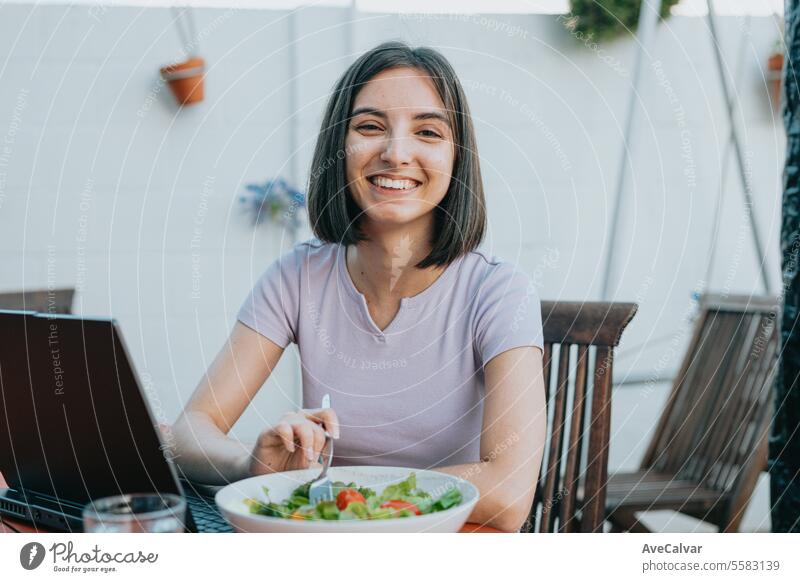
578,364
44,300
717,415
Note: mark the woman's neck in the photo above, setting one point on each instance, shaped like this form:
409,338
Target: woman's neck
383,267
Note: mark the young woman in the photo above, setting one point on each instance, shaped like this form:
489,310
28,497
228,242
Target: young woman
429,348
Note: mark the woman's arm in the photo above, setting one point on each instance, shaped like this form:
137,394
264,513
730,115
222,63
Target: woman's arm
202,448
512,440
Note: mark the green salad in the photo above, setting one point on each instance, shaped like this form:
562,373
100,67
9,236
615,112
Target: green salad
401,499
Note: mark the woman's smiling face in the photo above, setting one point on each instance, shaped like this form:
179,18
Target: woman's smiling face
399,148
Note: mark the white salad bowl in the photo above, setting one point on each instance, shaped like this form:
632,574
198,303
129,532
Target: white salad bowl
231,503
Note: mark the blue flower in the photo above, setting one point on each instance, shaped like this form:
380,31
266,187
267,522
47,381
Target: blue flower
275,201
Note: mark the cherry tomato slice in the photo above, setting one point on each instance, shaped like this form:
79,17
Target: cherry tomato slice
348,496
398,504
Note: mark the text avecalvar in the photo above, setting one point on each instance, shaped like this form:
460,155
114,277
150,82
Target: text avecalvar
671,549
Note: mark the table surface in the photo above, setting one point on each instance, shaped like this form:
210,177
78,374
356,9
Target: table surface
24,527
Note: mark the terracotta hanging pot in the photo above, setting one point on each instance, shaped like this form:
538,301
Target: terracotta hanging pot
185,80
774,76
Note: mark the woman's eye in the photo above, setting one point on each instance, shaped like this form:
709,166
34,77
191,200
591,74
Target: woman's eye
368,126
430,133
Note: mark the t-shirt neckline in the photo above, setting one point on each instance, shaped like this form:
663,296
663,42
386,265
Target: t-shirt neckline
411,302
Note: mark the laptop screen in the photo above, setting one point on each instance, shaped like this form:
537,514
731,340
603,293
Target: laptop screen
74,422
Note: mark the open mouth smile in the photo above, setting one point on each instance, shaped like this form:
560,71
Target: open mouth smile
389,186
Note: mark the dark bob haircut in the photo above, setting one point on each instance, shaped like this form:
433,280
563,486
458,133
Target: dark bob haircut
459,219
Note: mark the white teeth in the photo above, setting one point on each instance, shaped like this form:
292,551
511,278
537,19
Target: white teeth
395,184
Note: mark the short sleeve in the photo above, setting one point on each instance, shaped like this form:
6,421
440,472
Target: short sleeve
272,307
508,315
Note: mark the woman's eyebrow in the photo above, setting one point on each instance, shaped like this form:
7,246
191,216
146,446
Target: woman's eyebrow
424,115
433,115
368,111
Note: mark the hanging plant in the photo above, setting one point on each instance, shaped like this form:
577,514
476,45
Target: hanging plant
185,79
775,72
607,19
275,201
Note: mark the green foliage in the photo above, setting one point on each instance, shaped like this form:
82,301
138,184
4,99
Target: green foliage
607,19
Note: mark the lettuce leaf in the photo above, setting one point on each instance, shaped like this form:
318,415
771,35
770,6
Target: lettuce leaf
327,510
366,492
450,498
355,510
400,490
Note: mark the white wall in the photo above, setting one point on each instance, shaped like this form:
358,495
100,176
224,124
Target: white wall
105,185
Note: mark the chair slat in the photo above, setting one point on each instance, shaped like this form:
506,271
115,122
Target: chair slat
593,510
733,424
737,376
752,413
546,362
717,419
691,424
680,399
552,482
567,516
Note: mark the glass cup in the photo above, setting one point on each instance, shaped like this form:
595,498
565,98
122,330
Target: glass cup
135,513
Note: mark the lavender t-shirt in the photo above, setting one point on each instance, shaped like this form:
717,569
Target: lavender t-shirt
412,394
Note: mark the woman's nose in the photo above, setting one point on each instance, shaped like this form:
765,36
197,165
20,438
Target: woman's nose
397,151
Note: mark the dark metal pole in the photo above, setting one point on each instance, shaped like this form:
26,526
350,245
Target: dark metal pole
784,442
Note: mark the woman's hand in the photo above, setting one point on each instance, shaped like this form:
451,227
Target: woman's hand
295,442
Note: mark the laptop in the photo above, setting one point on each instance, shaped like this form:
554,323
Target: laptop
75,425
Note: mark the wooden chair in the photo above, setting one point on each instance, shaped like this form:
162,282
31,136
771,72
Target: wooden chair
45,300
710,444
579,338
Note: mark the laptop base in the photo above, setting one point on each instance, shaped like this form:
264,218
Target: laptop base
47,514
41,512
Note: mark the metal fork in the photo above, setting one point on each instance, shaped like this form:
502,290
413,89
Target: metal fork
321,488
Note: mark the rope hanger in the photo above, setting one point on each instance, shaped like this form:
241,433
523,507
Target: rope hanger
184,21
